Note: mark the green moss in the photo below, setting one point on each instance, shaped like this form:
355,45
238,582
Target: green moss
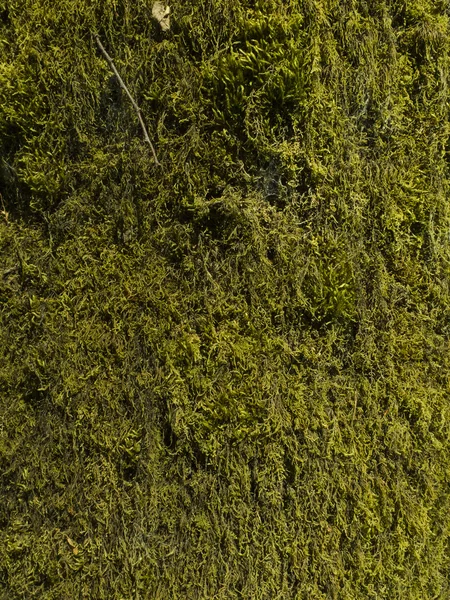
226,377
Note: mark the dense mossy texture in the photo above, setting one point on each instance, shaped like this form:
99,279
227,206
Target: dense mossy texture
226,376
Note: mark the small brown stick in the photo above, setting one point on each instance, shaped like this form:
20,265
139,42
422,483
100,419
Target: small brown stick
4,212
124,87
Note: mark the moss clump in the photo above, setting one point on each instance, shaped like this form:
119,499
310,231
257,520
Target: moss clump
225,378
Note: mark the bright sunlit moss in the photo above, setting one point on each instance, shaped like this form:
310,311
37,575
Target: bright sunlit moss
226,377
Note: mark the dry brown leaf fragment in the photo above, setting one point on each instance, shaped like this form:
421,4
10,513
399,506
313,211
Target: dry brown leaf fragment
162,14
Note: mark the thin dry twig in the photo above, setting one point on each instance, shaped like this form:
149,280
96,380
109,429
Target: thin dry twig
133,102
4,212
